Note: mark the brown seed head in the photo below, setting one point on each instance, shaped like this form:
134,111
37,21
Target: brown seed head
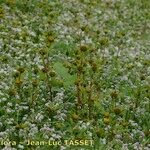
52,73
45,69
114,94
106,121
21,70
35,83
50,39
117,111
18,82
83,48
106,115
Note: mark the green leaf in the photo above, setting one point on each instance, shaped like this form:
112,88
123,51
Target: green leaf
63,73
63,48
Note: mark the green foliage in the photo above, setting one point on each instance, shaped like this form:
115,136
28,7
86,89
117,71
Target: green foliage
75,70
63,73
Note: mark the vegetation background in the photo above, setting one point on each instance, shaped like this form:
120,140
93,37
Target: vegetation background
75,69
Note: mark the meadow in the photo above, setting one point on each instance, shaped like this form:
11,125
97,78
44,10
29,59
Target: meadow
74,75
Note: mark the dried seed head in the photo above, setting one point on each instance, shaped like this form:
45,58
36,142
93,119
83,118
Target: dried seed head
92,50
50,39
100,132
5,59
98,32
35,71
59,125
1,13
142,77
45,69
91,61
35,83
80,68
117,111
83,48
147,133
106,121
114,94
104,41
10,2
75,117
106,115
92,99
21,70
88,90
43,52
124,123
16,74
52,73
77,82
12,92
18,82
94,66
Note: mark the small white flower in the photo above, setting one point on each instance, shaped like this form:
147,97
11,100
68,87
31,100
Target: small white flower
103,141
39,117
62,148
20,146
125,147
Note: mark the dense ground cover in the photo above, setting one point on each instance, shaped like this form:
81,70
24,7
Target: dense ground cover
74,70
